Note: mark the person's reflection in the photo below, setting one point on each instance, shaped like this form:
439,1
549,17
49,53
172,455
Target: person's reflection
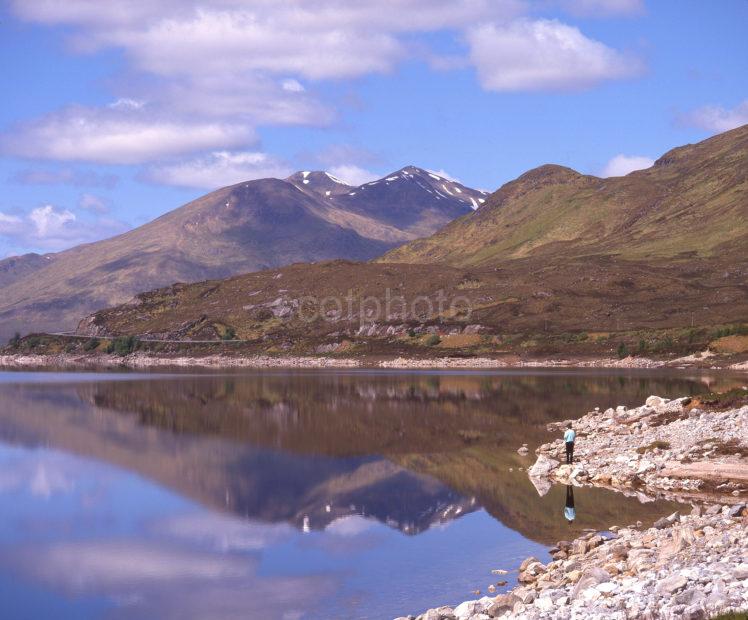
570,512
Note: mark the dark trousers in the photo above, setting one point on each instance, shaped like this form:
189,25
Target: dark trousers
569,451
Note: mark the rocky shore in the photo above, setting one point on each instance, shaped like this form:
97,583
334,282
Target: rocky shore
142,360
680,448
692,565
691,568
139,361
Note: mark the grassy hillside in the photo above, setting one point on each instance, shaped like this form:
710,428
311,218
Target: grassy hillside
692,202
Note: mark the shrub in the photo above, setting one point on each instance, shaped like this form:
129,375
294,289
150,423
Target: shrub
433,340
91,344
642,348
229,334
15,340
623,350
412,333
731,330
664,344
122,345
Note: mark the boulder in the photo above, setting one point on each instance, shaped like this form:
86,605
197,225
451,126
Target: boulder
590,578
542,485
501,604
670,585
542,467
655,401
526,562
737,510
467,609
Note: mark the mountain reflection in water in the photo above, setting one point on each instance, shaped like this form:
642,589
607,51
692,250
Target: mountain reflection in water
314,452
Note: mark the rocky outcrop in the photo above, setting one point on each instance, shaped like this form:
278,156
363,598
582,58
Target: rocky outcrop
671,447
691,567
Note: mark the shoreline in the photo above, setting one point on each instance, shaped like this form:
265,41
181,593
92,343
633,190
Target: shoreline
691,566
143,361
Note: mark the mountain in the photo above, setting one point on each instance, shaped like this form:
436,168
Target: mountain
692,202
259,224
552,252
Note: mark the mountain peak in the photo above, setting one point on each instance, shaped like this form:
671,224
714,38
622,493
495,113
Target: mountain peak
549,173
318,182
425,181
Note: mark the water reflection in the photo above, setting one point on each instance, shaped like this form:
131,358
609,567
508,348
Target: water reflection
217,495
570,511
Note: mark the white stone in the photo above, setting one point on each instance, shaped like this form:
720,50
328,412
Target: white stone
467,609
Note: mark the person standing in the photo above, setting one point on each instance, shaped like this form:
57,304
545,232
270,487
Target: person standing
569,438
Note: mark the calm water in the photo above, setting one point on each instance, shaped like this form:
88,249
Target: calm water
286,495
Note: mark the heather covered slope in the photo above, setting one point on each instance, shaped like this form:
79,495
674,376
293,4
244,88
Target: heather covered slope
296,308
241,228
554,251
692,202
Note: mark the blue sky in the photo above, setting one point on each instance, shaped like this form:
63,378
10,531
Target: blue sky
114,113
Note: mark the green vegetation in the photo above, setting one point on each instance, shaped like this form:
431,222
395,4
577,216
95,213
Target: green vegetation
470,435
730,330
91,344
15,340
730,399
732,615
123,345
432,340
229,333
622,351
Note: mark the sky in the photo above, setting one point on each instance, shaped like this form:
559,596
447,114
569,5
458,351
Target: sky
116,112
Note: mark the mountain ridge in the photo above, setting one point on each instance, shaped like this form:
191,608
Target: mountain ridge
553,251
694,198
240,228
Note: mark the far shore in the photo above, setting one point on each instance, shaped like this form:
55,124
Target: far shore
138,360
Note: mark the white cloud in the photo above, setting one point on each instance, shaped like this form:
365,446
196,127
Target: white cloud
353,175
218,169
115,137
125,103
292,86
49,228
49,222
716,118
201,75
603,8
91,202
244,98
223,532
621,165
316,39
543,55
64,176
8,219
350,525
443,173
